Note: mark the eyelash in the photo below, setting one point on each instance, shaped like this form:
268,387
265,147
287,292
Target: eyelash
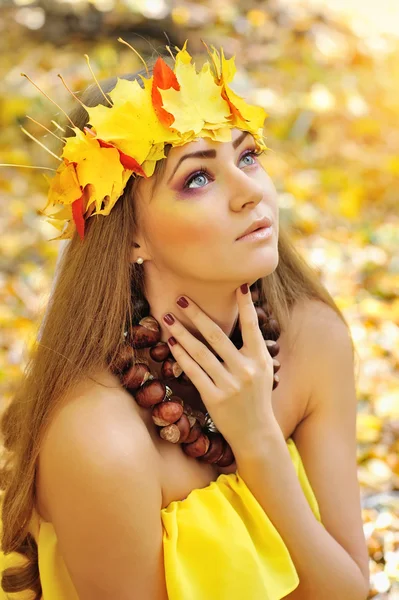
203,171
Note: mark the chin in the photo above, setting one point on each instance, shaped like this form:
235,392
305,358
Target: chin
264,272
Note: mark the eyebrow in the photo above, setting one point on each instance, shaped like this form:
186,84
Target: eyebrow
207,153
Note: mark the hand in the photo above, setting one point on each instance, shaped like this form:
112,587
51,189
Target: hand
237,394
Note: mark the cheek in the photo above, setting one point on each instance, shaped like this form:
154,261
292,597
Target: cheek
180,233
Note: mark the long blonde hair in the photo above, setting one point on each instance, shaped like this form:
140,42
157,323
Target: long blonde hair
83,330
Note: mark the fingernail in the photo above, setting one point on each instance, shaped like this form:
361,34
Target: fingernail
172,341
182,302
169,319
244,288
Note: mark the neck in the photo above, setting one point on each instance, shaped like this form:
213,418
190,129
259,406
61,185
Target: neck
217,300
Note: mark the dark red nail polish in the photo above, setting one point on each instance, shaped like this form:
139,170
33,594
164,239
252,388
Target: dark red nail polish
172,341
169,319
182,302
244,288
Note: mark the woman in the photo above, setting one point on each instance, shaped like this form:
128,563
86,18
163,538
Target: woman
97,501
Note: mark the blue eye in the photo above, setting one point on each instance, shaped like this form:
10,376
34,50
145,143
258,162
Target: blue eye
202,172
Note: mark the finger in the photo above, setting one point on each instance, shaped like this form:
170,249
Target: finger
216,338
192,369
199,353
250,331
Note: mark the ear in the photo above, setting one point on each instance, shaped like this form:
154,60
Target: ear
138,250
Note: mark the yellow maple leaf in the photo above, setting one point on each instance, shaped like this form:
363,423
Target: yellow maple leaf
68,231
62,215
59,220
132,123
253,117
183,56
224,69
148,167
197,102
100,167
64,187
111,198
219,134
156,152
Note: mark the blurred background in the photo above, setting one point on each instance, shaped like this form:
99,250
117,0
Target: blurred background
328,75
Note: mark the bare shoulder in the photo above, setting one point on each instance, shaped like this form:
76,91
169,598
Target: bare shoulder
319,333
311,318
316,331
98,471
98,415
103,390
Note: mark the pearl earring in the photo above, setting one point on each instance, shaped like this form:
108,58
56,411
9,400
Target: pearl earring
140,260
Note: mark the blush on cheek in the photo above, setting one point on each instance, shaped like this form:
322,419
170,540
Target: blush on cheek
183,233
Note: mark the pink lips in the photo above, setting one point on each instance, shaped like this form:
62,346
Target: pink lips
259,234
257,224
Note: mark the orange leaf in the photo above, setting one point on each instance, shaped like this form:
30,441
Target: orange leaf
131,164
77,212
163,78
127,161
234,109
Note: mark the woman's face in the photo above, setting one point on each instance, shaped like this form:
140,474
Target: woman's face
193,214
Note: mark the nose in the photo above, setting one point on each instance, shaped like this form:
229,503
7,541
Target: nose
244,189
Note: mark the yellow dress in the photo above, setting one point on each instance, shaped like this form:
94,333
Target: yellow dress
218,544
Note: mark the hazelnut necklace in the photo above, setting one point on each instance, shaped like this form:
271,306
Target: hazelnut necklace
176,420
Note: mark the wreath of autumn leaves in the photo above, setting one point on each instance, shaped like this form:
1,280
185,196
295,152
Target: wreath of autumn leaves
128,136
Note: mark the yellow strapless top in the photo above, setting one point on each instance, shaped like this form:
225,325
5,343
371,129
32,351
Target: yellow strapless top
218,544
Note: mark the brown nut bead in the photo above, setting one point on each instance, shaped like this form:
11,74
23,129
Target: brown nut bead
170,433
171,369
136,376
271,330
227,457
276,381
184,427
200,416
160,352
185,379
175,398
197,448
275,326
216,448
166,413
189,412
191,419
255,295
150,393
147,333
274,349
276,365
195,432
262,316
